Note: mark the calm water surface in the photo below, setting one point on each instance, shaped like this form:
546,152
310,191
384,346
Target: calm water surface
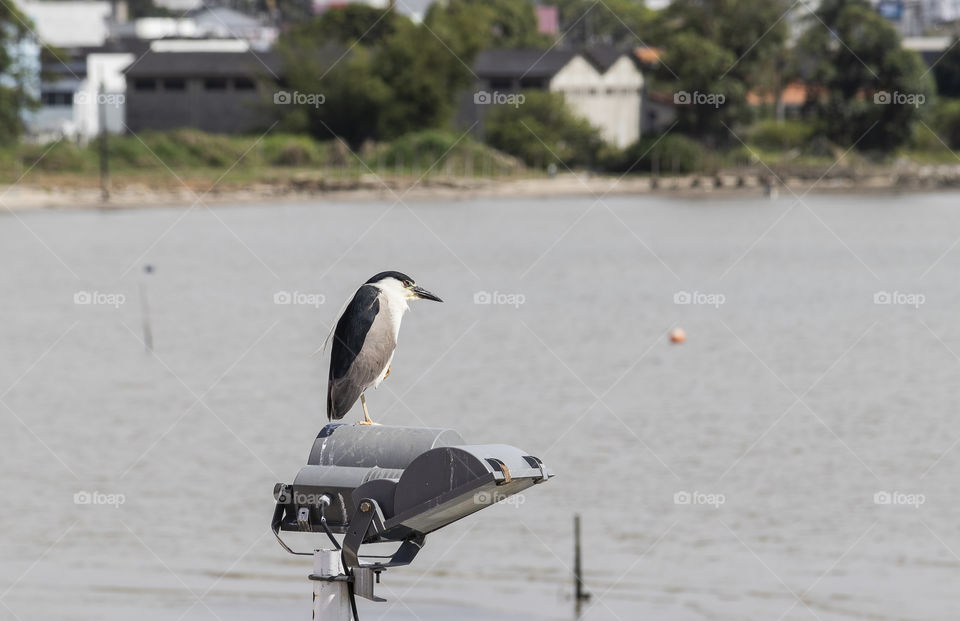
795,401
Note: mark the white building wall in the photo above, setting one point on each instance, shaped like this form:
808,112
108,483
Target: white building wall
104,70
610,101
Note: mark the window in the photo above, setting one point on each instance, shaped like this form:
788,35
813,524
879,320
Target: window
243,84
144,84
498,84
174,84
215,84
57,99
531,83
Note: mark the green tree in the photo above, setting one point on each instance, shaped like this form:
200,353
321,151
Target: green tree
864,88
947,71
754,32
621,23
708,102
468,26
542,130
17,72
352,23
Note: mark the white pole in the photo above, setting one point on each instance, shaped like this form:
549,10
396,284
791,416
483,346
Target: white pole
331,600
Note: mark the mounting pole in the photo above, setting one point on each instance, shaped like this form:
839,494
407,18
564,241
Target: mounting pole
331,595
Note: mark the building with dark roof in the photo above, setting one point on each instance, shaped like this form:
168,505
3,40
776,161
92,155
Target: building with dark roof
218,92
604,85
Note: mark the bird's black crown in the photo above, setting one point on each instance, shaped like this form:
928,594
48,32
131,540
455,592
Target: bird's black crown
398,275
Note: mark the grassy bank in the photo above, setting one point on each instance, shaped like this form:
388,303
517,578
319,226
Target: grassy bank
164,159
168,160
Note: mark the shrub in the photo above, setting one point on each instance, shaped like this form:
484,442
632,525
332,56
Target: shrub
673,153
542,130
946,121
781,136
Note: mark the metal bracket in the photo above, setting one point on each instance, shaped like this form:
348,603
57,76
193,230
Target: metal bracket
368,522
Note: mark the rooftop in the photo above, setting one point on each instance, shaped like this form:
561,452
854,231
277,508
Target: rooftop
206,64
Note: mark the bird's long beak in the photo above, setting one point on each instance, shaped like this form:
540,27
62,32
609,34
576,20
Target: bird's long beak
423,294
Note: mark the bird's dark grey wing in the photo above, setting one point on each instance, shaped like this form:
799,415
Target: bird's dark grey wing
348,337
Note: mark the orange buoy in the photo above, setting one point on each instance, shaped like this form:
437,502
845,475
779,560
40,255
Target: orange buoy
677,336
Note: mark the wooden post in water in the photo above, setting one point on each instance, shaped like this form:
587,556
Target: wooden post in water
580,594
145,311
101,103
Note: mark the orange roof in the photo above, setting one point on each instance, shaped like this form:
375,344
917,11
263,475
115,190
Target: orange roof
794,94
648,55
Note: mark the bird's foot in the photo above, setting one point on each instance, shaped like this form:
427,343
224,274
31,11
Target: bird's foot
367,422
388,373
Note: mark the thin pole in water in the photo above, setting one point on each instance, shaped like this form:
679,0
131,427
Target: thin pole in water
580,594
145,310
104,150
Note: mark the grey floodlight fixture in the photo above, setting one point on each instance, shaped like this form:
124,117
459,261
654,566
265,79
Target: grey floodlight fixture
378,483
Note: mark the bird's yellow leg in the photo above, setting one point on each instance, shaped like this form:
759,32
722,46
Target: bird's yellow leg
388,372
366,415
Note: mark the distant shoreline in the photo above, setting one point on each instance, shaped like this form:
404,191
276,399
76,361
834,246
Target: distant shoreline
785,183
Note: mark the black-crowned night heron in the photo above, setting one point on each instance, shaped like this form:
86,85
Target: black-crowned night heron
365,339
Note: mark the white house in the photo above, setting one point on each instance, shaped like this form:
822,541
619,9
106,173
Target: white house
603,85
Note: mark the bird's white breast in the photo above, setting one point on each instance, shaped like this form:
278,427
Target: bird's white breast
385,330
